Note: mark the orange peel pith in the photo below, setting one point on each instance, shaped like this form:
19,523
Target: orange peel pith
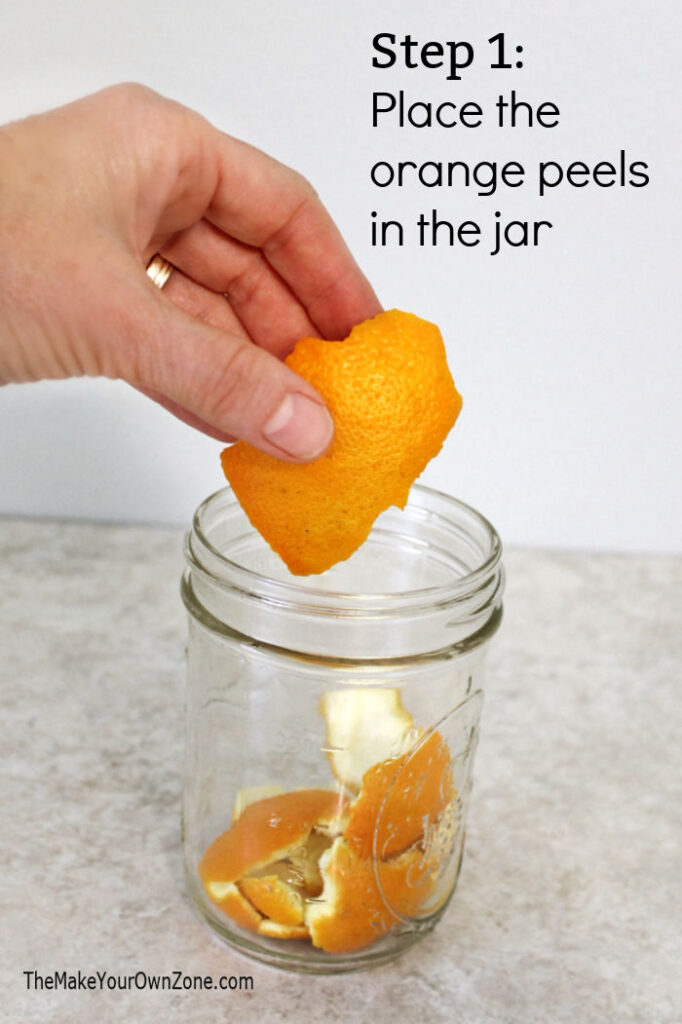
393,401
364,726
227,897
274,930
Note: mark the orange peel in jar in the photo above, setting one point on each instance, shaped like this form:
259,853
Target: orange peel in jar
359,903
364,726
393,402
267,831
274,930
399,798
274,897
227,897
251,795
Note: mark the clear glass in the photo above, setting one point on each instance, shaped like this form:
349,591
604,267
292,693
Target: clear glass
364,682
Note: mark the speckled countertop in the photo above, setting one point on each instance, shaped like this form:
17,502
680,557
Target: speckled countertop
568,903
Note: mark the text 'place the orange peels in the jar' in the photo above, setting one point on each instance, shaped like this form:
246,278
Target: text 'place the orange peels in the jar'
393,401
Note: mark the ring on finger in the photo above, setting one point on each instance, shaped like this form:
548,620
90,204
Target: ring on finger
159,270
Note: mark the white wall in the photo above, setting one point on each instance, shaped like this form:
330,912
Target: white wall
568,356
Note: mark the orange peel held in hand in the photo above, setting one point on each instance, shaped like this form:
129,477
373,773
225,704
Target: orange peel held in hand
393,401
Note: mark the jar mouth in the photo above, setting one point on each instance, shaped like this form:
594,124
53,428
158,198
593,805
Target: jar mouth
431,521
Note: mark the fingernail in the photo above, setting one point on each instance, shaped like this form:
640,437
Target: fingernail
300,427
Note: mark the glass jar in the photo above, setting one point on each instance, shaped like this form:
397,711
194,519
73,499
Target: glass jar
332,722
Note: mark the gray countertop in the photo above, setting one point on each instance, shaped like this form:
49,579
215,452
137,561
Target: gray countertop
568,904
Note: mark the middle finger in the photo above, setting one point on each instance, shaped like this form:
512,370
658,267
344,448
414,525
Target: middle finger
267,309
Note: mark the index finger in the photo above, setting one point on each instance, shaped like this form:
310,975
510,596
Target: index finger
264,203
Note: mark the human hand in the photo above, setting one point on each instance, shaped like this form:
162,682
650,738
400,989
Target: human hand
91,191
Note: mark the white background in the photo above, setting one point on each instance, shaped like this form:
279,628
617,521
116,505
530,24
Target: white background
568,356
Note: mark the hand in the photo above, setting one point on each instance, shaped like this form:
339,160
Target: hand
91,191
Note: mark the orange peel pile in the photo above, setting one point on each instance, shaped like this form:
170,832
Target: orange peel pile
339,870
393,402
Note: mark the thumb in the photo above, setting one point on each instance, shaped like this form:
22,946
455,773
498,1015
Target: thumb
225,382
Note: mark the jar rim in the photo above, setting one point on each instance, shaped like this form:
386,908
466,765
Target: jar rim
226,572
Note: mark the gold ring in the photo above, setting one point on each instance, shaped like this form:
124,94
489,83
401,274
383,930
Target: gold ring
159,270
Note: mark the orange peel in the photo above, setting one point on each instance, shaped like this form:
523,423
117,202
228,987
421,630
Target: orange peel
274,897
364,725
227,897
357,907
274,930
399,798
268,830
393,401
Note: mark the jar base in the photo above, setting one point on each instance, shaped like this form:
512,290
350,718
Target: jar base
298,956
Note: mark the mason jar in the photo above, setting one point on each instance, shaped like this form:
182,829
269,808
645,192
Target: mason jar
331,727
